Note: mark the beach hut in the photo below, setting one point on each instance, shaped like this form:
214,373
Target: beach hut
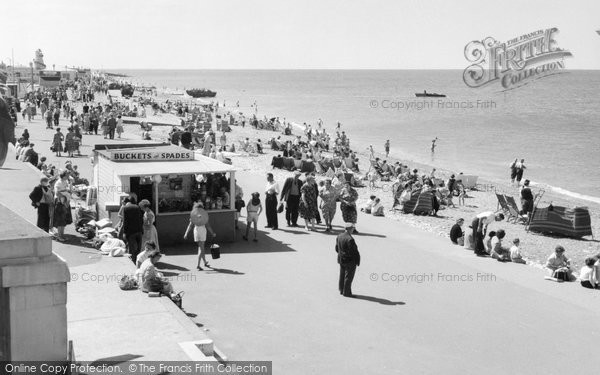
570,222
167,176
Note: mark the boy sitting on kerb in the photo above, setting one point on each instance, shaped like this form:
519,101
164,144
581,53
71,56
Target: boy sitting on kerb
587,276
515,252
377,209
369,205
488,243
499,252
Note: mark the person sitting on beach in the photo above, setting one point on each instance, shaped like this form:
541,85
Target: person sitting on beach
369,205
515,252
377,209
587,276
499,252
558,265
456,232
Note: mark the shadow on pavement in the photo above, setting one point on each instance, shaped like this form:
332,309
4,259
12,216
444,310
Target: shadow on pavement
383,301
168,266
223,270
110,361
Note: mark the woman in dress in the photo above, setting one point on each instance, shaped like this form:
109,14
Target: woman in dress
61,216
150,233
70,144
308,202
119,126
57,142
348,199
328,196
62,187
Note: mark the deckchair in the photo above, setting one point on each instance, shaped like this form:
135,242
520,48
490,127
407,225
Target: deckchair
513,210
502,203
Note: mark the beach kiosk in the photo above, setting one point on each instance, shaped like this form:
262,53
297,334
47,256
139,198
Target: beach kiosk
168,176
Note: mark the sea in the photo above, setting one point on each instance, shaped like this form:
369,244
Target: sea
552,122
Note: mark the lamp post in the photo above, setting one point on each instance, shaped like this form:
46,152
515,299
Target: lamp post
31,66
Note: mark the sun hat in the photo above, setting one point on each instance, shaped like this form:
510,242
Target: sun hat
349,225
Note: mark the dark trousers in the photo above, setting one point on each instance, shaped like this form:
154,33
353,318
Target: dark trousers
43,216
111,133
271,210
347,272
478,238
291,212
134,242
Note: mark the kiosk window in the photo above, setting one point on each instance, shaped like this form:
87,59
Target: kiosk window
174,193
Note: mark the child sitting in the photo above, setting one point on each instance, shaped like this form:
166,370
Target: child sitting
377,209
369,206
498,252
515,252
587,276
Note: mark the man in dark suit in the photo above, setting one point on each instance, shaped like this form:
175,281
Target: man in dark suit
291,194
348,259
133,227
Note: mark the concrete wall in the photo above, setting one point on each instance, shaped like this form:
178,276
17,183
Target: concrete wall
33,293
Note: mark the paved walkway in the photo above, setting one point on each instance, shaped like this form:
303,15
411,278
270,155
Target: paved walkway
277,300
104,322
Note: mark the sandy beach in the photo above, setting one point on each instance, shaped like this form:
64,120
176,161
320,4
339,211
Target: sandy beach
535,247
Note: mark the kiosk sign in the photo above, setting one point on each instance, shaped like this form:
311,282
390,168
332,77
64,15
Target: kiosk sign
151,155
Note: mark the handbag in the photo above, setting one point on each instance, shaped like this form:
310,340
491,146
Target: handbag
215,251
280,208
561,274
128,283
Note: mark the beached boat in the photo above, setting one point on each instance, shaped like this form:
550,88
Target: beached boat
201,93
425,94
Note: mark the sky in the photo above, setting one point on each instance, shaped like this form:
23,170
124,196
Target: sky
279,34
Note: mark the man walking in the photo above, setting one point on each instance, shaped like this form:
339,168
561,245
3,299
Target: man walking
348,259
291,194
112,125
133,227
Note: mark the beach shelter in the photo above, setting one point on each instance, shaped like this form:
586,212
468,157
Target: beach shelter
409,206
571,222
424,204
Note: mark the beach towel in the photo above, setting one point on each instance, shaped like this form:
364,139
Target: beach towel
570,222
424,204
409,206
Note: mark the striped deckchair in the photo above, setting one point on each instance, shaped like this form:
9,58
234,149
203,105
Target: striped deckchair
410,205
424,204
513,210
502,203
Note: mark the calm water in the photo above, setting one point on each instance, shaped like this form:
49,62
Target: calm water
553,123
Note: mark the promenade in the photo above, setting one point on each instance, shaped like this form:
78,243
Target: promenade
422,305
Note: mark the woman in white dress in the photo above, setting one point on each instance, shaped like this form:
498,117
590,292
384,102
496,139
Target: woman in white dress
150,233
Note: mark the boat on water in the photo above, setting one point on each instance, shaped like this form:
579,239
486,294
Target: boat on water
426,94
